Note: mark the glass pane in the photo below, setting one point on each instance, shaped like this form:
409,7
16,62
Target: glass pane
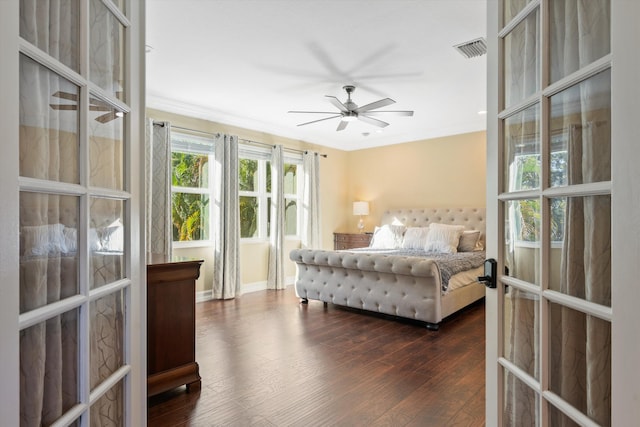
580,361
189,170
521,403
248,175
106,40
268,216
522,150
581,116
48,249
557,418
521,330
581,258
106,241
122,4
48,367
268,183
290,217
579,34
521,61
107,336
248,216
190,216
522,239
53,29
106,136
48,124
109,409
290,179
512,7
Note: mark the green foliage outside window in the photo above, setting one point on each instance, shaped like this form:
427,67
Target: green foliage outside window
190,216
248,216
250,209
248,181
529,168
189,211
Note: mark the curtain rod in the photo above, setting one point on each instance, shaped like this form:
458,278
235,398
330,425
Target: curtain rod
239,139
285,148
187,129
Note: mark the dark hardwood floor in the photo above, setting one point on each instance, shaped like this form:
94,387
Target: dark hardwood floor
266,360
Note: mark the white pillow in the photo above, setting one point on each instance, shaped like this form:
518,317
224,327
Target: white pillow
443,238
111,238
469,241
40,240
387,237
415,238
70,239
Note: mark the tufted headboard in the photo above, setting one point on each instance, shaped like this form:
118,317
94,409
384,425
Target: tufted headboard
471,218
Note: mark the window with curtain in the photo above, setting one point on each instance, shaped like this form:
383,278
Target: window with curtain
555,114
191,189
75,210
255,193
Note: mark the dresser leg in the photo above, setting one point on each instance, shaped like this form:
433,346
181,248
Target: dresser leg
194,386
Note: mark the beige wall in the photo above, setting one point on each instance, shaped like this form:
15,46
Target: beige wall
440,172
253,256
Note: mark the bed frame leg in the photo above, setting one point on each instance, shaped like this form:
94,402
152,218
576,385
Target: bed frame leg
304,301
433,326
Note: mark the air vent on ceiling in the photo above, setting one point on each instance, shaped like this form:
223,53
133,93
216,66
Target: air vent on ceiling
472,48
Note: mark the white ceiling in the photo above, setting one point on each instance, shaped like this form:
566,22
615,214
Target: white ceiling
247,62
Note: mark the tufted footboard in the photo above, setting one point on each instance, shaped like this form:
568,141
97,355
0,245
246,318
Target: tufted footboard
396,285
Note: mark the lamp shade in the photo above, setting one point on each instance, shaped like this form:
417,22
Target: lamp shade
361,208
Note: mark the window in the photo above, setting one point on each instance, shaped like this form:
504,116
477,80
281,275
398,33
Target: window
191,158
525,175
291,217
255,193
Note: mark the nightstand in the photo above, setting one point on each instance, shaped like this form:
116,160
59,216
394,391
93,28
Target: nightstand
351,240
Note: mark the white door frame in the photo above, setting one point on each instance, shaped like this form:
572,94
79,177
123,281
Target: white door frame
9,215
625,218
492,398
9,222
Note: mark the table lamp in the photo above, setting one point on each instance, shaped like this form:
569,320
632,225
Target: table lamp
361,209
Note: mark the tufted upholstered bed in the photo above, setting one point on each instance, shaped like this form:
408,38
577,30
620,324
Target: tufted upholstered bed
397,285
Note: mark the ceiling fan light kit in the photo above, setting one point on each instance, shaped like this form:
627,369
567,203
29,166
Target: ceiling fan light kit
349,111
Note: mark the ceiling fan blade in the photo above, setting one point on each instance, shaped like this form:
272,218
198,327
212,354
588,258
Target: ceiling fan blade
337,103
100,108
392,113
99,102
66,95
313,112
342,125
378,104
372,121
107,117
65,107
320,120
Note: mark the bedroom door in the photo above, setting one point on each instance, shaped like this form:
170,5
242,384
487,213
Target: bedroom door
72,266
559,192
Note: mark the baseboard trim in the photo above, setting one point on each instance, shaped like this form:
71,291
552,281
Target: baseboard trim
202,296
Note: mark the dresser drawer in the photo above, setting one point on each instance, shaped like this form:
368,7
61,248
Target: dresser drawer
350,240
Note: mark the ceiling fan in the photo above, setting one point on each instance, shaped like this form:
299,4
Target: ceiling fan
94,105
349,111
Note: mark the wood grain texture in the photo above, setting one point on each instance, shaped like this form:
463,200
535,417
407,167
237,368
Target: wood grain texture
171,320
267,360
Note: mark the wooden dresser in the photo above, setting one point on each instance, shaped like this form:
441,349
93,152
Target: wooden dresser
171,322
351,240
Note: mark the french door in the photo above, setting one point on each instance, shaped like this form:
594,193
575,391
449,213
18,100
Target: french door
72,263
558,179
